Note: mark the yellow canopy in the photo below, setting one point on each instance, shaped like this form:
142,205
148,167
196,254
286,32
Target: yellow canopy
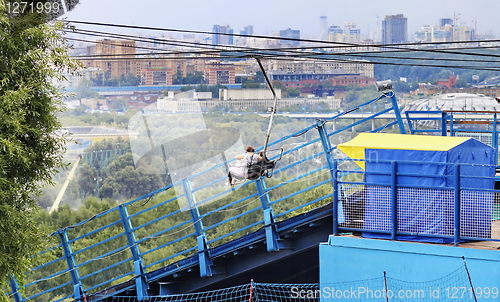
355,148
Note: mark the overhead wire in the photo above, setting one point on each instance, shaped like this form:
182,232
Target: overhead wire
264,53
398,46
338,44
288,49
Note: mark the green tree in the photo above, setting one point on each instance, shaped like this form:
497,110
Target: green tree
293,92
83,90
33,55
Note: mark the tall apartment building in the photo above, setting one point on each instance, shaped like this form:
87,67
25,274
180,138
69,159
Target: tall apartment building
394,29
290,34
445,21
323,28
119,60
217,72
247,30
226,38
348,34
445,33
335,34
160,76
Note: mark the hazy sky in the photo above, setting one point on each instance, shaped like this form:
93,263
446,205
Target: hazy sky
272,15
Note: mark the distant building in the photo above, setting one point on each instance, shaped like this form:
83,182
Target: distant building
118,60
432,34
348,34
394,29
323,28
445,33
423,90
222,35
335,34
160,76
93,103
290,34
248,94
309,80
351,33
217,72
287,67
189,101
445,21
449,83
461,100
248,30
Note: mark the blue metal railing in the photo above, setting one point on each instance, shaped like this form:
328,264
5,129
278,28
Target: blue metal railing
482,125
187,219
462,213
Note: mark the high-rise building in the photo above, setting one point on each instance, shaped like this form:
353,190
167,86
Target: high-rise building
248,30
351,33
226,38
348,34
445,21
335,34
394,29
323,28
290,34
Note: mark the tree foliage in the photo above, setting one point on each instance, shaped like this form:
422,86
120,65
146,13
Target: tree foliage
33,55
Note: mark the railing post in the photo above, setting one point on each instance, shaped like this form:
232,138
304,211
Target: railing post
272,236
457,212
444,126
79,294
494,138
332,167
204,258
394,200
141,283
335,199
397,113
452,130
16,291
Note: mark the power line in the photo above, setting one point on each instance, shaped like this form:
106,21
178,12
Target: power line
342,45
249,50
338,44
287,52
253,50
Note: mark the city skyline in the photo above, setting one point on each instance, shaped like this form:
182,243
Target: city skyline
268,17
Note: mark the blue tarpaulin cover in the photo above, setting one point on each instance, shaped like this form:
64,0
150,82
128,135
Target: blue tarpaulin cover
425,202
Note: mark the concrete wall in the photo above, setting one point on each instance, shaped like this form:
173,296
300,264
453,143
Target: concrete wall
248,94
349,259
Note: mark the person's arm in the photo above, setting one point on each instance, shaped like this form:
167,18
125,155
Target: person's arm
238,157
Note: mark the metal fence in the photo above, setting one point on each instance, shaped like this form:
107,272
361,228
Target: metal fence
179,225
447,212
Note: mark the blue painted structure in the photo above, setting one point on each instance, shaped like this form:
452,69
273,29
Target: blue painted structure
349,259
141,88
191,245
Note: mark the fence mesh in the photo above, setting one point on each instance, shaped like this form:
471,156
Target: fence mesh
421,211
455,286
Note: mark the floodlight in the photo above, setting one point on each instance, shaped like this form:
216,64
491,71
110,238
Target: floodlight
383,85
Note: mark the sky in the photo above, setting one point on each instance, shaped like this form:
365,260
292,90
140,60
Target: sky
267,16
